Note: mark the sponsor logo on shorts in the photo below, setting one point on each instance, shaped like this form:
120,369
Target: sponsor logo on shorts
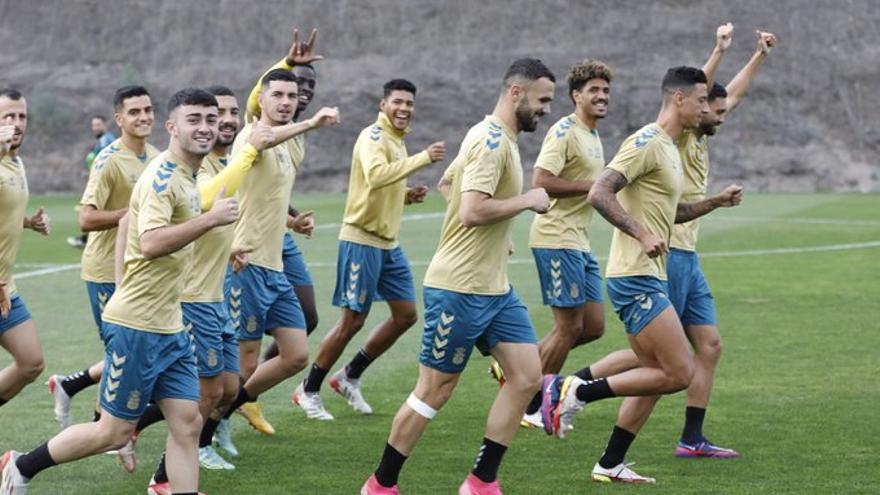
252,324
574,291
645,301
458,357
212,358
556,275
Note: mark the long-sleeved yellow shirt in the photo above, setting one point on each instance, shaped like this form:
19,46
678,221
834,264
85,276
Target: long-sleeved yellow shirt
377,185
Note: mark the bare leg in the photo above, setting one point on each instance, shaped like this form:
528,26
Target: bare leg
182,444
293,356
522,367
22,342
381,338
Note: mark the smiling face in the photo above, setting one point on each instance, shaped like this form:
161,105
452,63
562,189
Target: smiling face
532,100
14,112
399,107
308,80
135,116
194,128
228,119
593,98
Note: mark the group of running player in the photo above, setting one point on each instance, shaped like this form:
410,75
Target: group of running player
190,262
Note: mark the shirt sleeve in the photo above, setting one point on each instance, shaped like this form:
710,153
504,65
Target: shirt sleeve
634,160
230,177
483,171
554,152
156,206
378,171
100,184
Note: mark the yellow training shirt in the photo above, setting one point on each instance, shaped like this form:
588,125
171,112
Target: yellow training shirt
695,160
473,260
377,185
571,151
148,298
652,166
13,203
111,179
207,272
263,200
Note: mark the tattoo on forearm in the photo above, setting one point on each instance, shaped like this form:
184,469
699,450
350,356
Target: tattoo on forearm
685,212
604,200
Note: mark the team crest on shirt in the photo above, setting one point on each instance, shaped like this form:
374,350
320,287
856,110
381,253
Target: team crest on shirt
212,358
134,400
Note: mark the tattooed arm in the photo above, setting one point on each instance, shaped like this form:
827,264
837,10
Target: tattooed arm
603,198
730,196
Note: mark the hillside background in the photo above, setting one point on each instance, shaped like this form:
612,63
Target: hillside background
810,122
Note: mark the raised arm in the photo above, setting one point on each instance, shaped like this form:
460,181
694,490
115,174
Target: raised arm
603,197
731,196
739,86
723,37
326,116
297,54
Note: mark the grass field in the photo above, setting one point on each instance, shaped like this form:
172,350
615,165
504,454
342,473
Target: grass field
796,282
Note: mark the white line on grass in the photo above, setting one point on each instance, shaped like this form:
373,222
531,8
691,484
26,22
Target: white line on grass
46,271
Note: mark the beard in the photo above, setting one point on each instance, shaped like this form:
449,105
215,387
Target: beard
707,129
525,118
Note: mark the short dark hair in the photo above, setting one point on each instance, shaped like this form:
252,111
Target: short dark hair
99,117
682,77
530,69
219,90
191,96
398,85
278,75
127,92
717,91
11,93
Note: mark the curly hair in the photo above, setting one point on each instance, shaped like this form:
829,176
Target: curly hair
581,72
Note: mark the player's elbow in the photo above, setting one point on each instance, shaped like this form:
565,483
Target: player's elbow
150,248
84,220
468,217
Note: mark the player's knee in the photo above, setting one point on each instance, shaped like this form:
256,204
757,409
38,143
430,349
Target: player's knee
31,368
295,360
187,423
229,394
680,377
212,393
405,320
114,436
710,350
524,382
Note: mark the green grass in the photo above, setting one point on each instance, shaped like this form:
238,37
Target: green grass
796,392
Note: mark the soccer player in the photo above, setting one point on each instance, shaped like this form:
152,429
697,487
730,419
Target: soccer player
371,264
299,61
638,193
103,138
104,202
571,159
267,301
18,334
468,299
149,355
688,290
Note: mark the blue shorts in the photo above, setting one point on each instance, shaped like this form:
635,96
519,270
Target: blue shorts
18,314
266,302
99,294
365,274
455,322
140,367
637,300
569,278
295,268
216,342
688,289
